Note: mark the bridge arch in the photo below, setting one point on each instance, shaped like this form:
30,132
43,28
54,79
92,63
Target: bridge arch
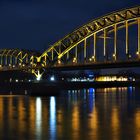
100,27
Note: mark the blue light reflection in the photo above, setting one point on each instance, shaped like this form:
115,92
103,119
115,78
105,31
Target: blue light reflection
52,118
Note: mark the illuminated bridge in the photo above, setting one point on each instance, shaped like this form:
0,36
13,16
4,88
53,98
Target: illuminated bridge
109,41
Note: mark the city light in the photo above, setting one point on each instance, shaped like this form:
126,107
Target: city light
82,79
92,58
74,60
38,77
52,78
59,62
114,55
111,78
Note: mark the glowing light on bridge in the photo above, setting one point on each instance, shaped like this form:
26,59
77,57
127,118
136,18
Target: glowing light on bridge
38,76
59,61
74,60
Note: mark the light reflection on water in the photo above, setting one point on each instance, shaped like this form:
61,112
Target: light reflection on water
38,116
52,119
110,113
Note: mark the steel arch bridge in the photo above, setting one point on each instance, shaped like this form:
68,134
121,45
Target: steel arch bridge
113,38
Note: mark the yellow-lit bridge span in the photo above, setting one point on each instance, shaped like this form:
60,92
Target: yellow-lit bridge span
113,38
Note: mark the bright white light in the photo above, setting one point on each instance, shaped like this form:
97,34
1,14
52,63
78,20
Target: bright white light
16,80
10,80
38,78
38,117
62,78
52,78
38,108
59,62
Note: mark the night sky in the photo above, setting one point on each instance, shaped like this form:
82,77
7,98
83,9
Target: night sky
36,24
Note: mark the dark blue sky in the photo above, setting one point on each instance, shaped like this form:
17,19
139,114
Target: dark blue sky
36,24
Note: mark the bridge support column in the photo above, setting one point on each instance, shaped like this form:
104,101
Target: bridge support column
85,50
44,60
6,60
76,54
52,55
94,53
115,43
67,55
105,34
26,59
138,49
15,60
127,39
20,58
11,60
32,61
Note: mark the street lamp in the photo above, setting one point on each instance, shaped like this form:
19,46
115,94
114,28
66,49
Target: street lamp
114,56
59,62
138,54
52,78
74,60
92,58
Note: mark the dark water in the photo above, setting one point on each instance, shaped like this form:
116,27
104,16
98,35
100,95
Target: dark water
104,114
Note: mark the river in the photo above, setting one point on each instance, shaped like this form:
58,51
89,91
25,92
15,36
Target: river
87,114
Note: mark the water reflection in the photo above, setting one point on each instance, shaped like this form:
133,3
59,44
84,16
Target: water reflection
52,118
110,113
137,124
38,117
115,124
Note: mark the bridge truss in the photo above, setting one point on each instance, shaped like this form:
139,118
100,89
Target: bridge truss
113,37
